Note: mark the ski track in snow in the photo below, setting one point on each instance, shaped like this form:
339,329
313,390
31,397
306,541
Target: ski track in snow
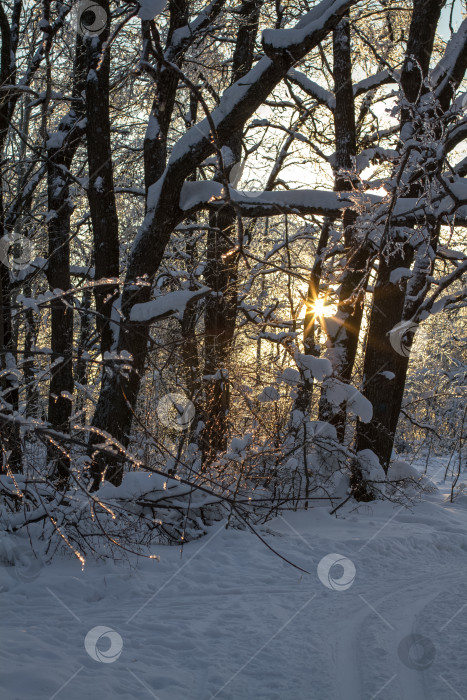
230,621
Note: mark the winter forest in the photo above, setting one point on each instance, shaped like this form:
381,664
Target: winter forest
233,349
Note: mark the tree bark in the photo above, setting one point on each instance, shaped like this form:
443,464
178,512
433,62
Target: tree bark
343,338
59,161
305,392
114,411
101,192
396,251
10,439
222,269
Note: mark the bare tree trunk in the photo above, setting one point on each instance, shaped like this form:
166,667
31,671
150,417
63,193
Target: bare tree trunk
344,336
115,415
305,393
10,439
60,153
58,274
190,353
222,269
384,390
166,82
219,327
381,358
85,338
30,340
101,193
117,400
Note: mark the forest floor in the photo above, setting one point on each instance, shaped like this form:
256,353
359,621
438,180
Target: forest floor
230,620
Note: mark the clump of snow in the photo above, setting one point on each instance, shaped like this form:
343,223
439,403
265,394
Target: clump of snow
399,273
98,184
269,393
338,393
240,444
149,9
326,460
55,140
134,484
166,305
238,447
322,429
318,367
370,466
290,376
193,193
400,470
153,128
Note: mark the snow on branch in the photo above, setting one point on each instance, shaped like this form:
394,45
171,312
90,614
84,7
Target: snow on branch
210,194
433,304
204,18
237,104
374,81
241,100
451,67
184,36
166,305
303,37
320,94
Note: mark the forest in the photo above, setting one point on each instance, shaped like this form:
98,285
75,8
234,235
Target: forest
233,349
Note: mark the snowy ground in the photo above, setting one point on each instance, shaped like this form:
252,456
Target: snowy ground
230,620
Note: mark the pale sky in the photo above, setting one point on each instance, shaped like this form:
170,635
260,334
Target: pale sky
443,27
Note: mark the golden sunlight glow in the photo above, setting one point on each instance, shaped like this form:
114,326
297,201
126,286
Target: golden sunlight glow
320,308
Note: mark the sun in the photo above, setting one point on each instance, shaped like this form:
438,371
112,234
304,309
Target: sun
320,307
